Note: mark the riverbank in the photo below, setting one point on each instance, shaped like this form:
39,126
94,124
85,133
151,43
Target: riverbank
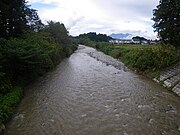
170,78
160,63
24,60
8,102
88,96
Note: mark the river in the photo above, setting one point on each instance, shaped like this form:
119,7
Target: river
91,93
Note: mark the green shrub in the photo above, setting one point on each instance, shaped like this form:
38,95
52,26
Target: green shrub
5,84
115,53
24,59
166,55
70,49
143,58
151,58
28,58
8,102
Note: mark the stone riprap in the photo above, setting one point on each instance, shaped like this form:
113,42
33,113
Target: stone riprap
170,78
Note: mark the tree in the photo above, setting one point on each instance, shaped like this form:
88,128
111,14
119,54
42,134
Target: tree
12,17
33,20
167,21
58,31
16,17
140,39
96,37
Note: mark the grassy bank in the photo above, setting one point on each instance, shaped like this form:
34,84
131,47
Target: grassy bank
26,58
9,102
142,58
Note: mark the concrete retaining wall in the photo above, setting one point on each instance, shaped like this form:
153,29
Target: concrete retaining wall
170,78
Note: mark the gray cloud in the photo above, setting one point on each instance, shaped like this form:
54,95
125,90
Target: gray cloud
110,16
127,8
74,20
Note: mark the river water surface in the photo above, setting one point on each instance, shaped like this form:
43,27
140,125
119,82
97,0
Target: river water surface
91,93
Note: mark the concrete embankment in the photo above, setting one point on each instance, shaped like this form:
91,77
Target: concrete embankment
170,78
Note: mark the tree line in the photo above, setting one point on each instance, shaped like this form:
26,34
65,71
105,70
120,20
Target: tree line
91,38
95,37
16,17
167,21
28,49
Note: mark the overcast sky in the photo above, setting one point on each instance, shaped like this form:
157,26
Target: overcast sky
101,16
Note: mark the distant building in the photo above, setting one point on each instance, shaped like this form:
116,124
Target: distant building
121,41
153,43
136,41
145,42
133,41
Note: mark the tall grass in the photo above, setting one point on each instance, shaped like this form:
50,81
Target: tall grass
8,102
141,57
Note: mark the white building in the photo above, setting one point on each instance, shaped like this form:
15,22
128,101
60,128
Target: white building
121,41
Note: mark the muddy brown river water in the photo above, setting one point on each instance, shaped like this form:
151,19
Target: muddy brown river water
91,93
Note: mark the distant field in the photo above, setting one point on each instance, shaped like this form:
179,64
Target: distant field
134,46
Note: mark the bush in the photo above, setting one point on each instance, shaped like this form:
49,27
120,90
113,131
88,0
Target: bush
143,58
30,57
70,49
8,102
22,59
115,53
166,55
87,42
5,84
25,59
151,58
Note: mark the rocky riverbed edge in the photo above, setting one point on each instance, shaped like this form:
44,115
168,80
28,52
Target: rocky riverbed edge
168,78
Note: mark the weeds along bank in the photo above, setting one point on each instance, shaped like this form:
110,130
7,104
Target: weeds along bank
160,62
25,59
147,59
28,49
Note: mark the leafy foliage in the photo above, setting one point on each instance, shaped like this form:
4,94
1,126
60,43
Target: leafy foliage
33,20
143,58
8,102
94,37
16,17
58,32
28,49
87,41
24,59
167,21
5,84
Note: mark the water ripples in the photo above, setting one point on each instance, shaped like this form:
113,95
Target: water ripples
91,93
